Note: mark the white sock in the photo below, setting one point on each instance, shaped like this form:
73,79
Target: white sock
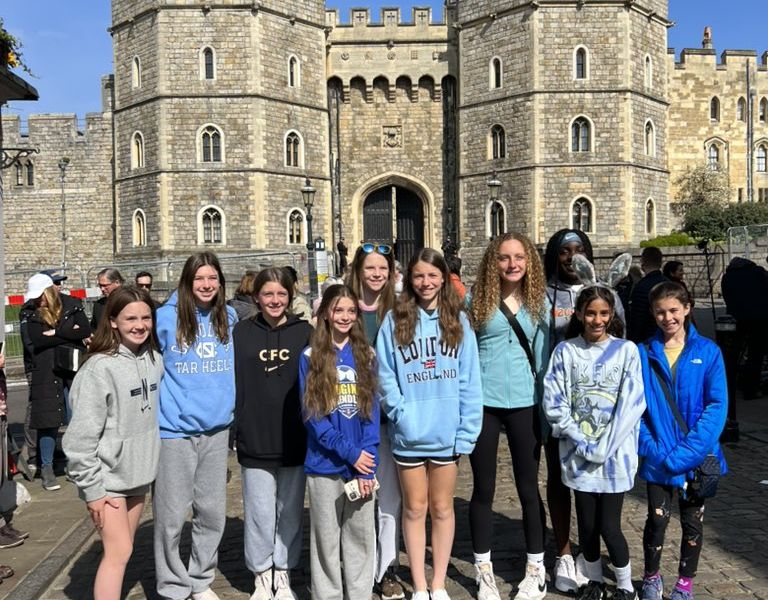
536,559
624,577
594,570
485,557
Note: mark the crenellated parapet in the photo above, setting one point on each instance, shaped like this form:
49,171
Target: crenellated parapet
390,19
697,58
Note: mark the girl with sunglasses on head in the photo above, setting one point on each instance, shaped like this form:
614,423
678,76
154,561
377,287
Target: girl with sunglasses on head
372,276
511,315
431,392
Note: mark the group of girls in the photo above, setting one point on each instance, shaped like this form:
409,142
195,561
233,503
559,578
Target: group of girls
388,393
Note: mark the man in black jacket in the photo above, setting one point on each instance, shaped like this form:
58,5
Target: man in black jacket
641,325
108,281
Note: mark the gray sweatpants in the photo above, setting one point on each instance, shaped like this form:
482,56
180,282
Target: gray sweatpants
340,530
273,503
192,474
388,502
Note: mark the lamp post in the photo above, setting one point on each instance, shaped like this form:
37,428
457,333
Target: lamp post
494,189
63,164
308,196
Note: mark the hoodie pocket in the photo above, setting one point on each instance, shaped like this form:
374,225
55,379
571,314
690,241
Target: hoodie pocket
428,424
131,462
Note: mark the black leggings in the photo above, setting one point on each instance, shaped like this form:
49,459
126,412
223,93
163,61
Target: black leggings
599,515
524,438
691,519
558,496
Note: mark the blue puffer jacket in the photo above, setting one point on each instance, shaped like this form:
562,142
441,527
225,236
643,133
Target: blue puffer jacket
700,389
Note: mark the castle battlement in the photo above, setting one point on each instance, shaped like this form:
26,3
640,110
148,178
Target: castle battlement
730,59
59,125
390,18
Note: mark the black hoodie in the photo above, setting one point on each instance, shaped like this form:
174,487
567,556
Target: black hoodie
269,427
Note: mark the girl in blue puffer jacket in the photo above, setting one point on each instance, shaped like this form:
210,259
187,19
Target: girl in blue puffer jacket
692,368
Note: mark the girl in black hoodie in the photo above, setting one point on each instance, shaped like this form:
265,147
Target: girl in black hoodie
270,434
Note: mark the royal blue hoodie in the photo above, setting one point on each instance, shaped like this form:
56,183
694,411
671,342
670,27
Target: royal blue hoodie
335,441
197,392
431,393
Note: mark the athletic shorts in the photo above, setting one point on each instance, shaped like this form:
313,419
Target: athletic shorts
418,461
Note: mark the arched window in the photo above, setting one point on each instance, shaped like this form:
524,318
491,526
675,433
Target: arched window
650,217
497,220
648,71
581,63
495,80
210,144
714,109
207,63
498,142
581,135
296,227
136,72
294,72
293,150
30,174
650,138
139,228
137,150
761,154
741,110
19,174
713,157
581,215
763,110
211,226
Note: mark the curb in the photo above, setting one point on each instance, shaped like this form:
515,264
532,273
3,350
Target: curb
34,583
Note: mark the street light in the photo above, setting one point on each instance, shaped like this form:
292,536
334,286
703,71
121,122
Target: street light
494,189
308,196
63,164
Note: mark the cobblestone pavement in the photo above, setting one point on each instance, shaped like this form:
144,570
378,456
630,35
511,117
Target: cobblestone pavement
732,566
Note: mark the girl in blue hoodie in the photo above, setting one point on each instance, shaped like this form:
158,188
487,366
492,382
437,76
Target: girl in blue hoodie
431,393
197,399
341,414
593,399
691,367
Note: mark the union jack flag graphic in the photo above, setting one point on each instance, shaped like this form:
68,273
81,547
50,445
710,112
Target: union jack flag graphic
429,364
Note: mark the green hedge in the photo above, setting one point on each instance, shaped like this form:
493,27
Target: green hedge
707,221
673,239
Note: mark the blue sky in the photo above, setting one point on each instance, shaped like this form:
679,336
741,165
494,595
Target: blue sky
67,46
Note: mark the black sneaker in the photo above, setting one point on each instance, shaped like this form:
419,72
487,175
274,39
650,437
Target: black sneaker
592,591
622,594
390,587
7,541
49,478
12,531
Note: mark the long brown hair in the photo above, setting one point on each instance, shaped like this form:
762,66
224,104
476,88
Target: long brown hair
355,280
51,312
486,293
106,340
320,396
583,300
186,308
449,306
272,275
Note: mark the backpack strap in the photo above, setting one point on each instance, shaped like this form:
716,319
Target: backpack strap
521,338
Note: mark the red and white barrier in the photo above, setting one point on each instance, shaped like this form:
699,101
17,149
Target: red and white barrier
82,293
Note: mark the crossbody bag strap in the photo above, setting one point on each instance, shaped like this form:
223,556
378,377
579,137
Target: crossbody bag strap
515,324
667,392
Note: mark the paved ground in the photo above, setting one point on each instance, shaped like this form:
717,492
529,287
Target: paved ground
733,563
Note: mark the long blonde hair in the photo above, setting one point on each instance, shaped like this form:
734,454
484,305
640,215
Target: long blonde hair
321,395
486,293
355,282
449,307
51,312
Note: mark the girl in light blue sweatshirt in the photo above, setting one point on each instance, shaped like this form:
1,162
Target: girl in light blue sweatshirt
594,399
429,375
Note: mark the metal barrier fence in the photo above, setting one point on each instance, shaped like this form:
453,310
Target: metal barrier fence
749,241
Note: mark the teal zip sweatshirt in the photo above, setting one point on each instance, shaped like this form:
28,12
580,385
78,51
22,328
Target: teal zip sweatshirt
431,393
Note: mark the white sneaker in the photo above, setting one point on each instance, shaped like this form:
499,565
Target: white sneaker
581,571
565,574
534,584
486,582
420,595
439,595
283,586
263,586
208,594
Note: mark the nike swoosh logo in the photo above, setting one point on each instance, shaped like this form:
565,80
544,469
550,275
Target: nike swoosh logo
270,369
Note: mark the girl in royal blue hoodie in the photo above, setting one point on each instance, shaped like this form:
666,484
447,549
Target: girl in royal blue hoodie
692,368
341,414
431,393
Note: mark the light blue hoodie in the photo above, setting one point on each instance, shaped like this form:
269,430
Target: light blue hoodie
197,393
431,393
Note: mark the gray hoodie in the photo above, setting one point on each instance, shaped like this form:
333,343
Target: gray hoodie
113,440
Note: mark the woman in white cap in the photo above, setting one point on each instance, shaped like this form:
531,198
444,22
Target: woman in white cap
50,327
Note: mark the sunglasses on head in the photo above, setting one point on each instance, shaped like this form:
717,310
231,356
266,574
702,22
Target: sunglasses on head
369,247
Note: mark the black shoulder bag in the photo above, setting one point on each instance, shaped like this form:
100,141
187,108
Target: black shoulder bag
707,474
520,336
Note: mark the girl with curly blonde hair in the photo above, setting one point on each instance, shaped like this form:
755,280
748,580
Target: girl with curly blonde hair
511,313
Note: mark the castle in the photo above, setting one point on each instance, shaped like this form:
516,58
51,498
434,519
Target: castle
219,110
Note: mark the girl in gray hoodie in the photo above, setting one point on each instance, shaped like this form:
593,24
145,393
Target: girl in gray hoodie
113,440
